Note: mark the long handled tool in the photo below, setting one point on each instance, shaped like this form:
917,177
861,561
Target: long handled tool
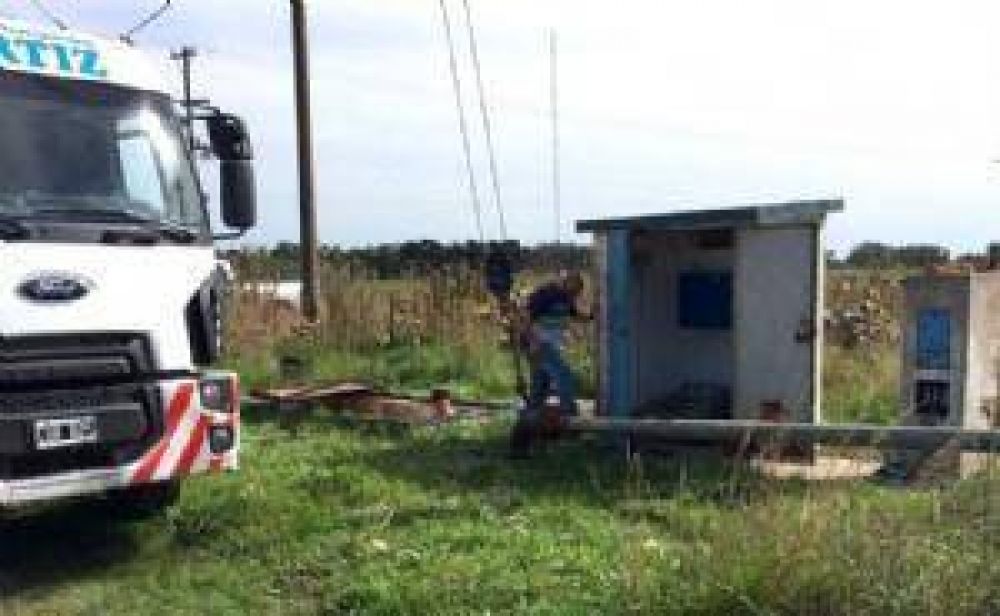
514,331
499,280
522,432
514,334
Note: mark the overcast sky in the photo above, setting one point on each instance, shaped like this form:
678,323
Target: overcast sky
666,104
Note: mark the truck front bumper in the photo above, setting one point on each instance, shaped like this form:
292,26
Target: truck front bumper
200,433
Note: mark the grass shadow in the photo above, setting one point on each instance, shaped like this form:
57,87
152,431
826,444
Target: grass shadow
588,470
61,544
473,457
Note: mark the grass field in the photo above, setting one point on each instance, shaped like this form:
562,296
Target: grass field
437,521
344,519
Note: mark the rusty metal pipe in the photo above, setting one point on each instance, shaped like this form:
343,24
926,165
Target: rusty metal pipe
761,433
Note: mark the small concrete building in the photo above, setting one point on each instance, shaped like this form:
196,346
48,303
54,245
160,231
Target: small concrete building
951,357
712,314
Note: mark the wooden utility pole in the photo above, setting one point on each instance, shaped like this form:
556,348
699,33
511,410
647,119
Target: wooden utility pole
307,194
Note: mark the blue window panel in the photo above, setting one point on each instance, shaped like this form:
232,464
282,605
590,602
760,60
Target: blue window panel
934,339
705,300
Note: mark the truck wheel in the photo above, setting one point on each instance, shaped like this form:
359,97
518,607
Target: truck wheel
143,502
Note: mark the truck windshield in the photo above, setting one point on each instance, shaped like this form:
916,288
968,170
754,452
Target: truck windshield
81,152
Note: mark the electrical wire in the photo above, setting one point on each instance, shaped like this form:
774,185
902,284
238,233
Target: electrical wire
147,21
47,12
485,113
463,127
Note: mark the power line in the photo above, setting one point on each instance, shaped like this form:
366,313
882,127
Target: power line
146,21
485,113
44,10
463,127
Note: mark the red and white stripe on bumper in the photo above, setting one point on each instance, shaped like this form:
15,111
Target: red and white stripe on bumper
184,449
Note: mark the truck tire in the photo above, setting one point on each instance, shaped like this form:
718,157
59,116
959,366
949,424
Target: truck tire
144,502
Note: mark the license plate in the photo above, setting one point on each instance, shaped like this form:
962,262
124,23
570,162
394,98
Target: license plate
58,433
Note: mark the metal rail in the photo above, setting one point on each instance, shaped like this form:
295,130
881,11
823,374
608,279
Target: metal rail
759,433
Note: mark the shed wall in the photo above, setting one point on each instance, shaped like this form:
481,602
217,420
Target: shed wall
777,310
616,310
601,322
983,396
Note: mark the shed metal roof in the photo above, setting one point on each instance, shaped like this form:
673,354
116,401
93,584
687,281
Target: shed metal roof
776,215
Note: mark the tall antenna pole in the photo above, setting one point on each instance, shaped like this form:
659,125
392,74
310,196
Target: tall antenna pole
185,56
307,195
556,171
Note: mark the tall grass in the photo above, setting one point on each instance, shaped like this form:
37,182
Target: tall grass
861,384
423,330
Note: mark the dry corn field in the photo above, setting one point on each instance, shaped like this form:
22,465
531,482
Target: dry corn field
444,311
448,307
362,312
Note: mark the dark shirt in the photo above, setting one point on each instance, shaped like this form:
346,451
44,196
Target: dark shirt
551,301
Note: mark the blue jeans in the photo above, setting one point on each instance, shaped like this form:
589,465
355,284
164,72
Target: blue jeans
549,369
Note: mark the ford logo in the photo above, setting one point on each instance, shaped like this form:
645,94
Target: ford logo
55,287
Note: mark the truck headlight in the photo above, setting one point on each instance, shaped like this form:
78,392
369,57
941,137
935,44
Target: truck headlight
221,439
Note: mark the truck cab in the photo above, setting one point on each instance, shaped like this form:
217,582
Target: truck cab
110,289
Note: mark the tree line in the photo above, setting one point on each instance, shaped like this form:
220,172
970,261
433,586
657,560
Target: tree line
419,257
881,256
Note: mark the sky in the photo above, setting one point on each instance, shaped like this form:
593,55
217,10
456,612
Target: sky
664,105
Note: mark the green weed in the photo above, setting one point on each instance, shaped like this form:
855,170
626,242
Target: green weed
439,521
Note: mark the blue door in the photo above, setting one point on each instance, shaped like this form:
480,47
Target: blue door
933,339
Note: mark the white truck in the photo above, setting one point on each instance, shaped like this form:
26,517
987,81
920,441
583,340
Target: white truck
110,288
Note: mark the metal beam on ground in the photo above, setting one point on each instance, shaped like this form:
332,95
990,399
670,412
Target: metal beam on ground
760,433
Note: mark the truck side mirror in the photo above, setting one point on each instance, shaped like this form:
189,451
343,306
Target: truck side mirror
239,194
230,143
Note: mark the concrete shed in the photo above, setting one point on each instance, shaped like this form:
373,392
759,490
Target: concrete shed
951,360
712,314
